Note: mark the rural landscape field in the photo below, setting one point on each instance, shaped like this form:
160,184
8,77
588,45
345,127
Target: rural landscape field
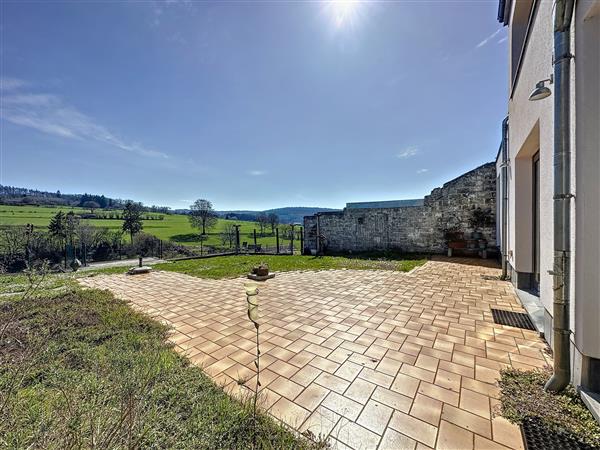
169,227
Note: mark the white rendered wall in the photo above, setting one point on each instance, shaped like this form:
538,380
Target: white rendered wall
587,261
531,128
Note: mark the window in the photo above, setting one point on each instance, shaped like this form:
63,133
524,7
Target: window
519,27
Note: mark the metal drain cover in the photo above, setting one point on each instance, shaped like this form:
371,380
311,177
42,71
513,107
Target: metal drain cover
512,319
538,437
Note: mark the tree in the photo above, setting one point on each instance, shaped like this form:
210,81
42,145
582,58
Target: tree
202,215
57,226
262,220
91,205
273,221
58,230
71,225
228,235
202,238
132,218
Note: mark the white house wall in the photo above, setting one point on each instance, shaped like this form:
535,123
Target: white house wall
587,280
531,126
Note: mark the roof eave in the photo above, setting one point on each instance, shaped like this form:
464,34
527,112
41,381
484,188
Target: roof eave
504,11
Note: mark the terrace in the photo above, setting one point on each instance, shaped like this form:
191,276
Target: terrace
369,359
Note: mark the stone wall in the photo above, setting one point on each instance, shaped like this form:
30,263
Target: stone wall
411,229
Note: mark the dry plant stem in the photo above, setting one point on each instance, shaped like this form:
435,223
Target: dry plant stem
252,291
257,364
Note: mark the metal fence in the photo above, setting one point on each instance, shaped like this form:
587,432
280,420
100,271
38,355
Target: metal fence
20,246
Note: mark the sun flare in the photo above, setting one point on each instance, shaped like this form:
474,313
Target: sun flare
344,13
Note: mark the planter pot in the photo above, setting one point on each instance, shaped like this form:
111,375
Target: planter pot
455,236
261,271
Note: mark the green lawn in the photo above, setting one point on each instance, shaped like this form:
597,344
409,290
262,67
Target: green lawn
173,227
234,266
81,369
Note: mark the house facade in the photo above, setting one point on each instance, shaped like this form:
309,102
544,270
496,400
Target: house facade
554,125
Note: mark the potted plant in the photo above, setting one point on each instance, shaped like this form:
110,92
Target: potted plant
480,218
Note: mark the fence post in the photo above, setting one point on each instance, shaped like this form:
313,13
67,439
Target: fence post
255,240
277,239
292,240
237,238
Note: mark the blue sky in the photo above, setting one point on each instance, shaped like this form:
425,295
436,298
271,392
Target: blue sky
252,105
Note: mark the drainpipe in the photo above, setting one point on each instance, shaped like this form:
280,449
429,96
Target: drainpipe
562,195
504,230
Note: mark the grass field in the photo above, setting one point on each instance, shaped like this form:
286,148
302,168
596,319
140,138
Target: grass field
173,227
81,369
235,266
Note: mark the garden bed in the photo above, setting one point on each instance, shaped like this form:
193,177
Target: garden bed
524,399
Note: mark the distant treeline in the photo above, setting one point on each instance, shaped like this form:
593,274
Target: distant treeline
289,214
12,195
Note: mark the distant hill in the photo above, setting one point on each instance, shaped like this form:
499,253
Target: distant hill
289,214
13,195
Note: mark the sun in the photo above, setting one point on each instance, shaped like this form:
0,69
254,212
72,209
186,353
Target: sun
344,13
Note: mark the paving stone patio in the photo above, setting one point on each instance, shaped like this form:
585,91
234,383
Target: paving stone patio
372,359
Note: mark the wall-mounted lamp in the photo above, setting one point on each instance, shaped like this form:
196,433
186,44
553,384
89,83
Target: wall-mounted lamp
541,91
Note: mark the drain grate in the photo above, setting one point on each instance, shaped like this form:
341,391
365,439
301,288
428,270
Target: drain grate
539,437
512,319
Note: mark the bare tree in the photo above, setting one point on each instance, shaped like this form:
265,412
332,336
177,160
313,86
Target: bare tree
202,215
228,235
273,221
202,238
262,220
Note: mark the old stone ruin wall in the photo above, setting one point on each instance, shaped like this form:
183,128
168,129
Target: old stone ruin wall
411,229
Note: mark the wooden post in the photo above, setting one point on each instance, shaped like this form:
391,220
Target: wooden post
255,240
277,239
237,239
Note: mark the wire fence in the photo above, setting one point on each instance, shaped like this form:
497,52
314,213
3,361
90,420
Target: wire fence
23,245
